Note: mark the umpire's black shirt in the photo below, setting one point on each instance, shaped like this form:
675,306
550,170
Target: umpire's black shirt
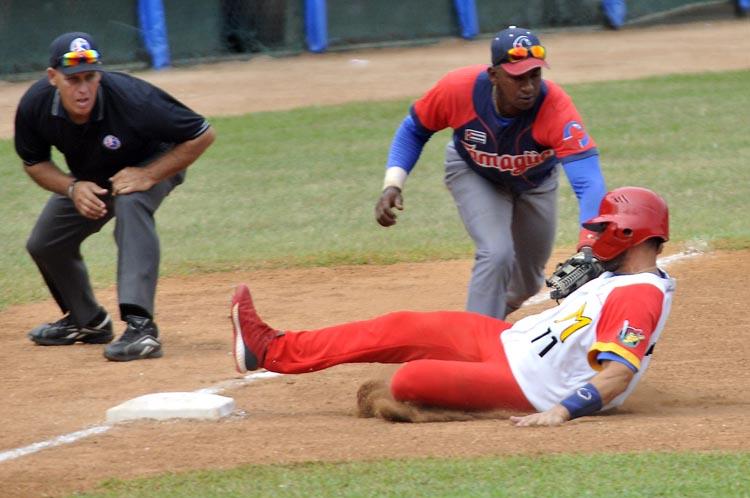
131,123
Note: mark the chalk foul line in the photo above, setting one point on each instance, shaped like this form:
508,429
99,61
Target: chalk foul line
101,429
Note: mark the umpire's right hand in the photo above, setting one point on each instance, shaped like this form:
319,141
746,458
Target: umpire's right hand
389,199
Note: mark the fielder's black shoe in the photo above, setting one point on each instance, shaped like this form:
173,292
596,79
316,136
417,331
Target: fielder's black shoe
65,332
140,340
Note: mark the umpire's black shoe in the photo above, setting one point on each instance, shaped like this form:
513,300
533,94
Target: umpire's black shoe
140,340
65,332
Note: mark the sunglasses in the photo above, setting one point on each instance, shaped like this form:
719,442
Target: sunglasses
517,54
72,59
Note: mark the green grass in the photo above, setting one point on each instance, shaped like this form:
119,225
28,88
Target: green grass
298,187
712,475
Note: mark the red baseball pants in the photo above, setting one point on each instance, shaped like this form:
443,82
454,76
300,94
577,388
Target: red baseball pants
453,359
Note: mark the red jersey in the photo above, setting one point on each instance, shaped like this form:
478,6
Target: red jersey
520,152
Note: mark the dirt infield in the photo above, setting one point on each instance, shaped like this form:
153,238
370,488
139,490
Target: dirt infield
695,396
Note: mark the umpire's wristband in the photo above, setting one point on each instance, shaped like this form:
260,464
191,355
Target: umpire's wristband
71,187
584,401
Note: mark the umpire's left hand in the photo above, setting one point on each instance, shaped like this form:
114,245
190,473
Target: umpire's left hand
131,179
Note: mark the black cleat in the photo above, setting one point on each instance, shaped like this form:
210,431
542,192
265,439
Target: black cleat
65,332
140,340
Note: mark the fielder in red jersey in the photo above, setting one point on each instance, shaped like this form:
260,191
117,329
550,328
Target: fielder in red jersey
511,130
584,355
520,154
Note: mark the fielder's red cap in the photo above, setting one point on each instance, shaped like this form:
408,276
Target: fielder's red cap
512,37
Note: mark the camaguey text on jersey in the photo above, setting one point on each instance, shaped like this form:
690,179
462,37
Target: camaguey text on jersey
515,164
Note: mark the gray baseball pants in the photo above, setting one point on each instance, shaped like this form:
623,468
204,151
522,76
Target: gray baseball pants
55,246
513,233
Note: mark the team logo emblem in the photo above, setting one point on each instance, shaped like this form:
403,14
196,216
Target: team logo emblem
574,131
79,45
584,393
111,142
475,136
630,336
522,41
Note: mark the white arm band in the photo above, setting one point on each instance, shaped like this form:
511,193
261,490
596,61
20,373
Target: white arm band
395,176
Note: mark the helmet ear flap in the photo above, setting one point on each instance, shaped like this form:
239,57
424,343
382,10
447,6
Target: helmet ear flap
627,217
610,242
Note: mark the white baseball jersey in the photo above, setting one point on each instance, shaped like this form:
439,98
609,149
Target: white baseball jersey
554,352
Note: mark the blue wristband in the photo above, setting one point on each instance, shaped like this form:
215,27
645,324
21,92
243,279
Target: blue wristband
584,401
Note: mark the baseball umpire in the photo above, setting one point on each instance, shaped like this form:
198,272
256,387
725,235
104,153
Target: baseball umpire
127,145
584,355
510,130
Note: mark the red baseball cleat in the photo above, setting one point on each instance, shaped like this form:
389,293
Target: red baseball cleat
251,334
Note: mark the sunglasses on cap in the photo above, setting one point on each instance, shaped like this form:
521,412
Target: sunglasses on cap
517,54
72,59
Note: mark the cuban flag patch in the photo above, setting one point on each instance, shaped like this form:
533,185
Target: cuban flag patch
475,136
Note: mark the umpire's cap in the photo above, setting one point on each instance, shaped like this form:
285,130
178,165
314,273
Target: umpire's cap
627,217
74,52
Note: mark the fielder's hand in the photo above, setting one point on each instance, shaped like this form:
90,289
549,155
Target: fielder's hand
389,199
131,179
85,196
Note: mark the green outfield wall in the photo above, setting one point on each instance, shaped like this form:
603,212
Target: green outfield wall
201,30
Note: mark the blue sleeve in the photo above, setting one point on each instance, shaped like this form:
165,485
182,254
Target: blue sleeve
609,356
585,177
407,144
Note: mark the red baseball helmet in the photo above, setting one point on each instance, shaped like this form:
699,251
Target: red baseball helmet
627,217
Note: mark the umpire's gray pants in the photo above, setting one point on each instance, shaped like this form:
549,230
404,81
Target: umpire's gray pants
513,235
55,243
